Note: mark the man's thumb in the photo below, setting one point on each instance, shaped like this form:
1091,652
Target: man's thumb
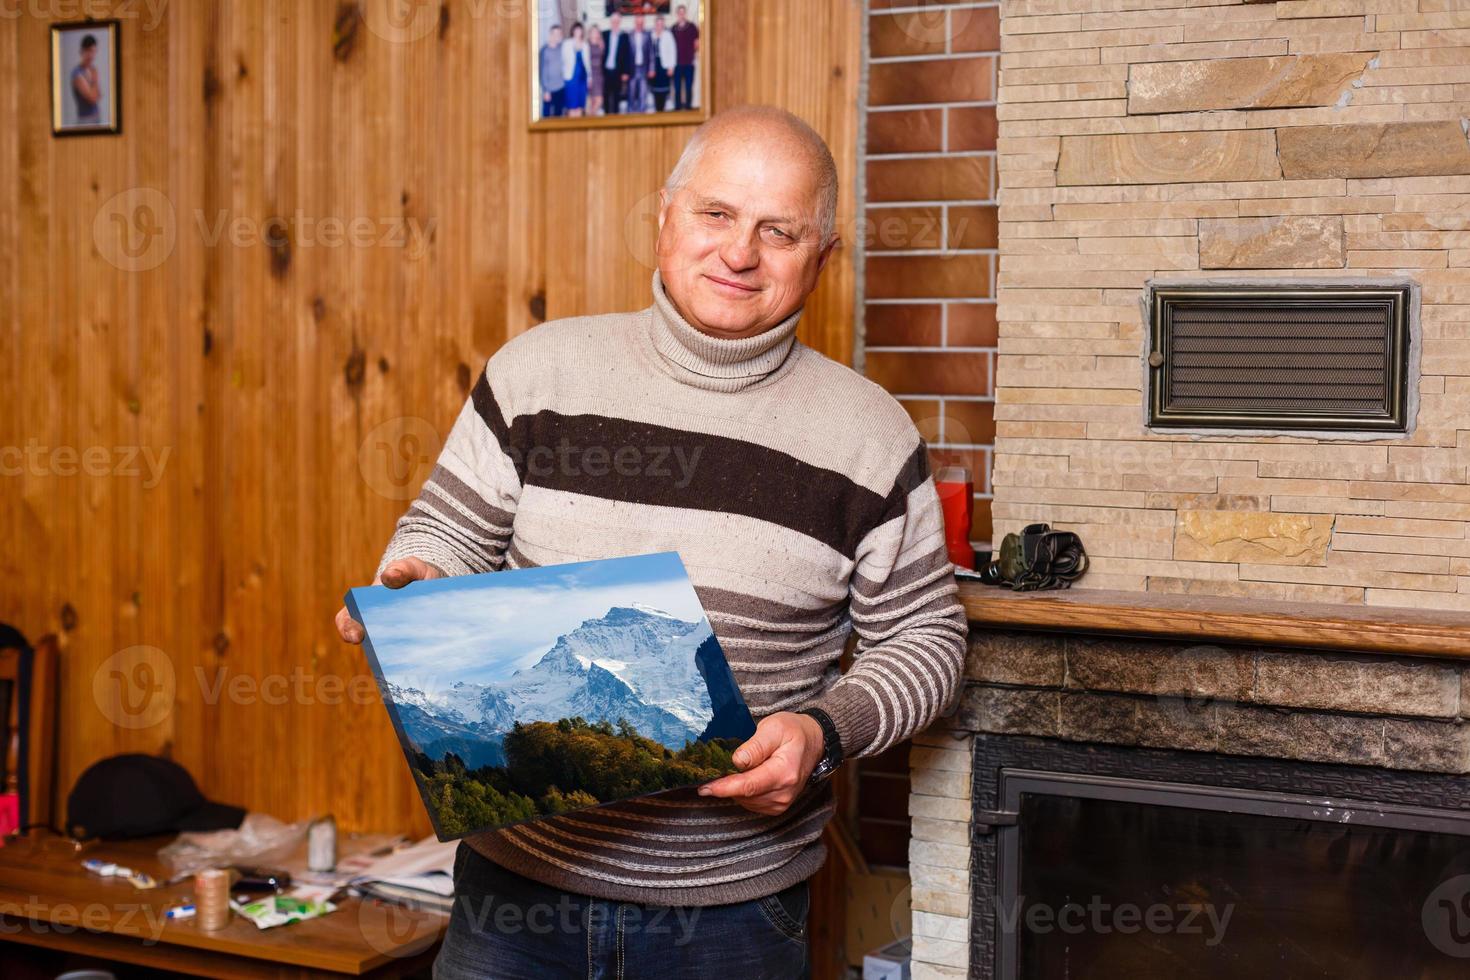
399,573
756,748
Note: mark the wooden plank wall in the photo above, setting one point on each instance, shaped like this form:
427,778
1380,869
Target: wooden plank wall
209,431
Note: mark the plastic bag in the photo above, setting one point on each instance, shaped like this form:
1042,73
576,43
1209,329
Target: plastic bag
260,839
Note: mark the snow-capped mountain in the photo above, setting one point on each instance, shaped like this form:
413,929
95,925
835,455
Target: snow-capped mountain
635,662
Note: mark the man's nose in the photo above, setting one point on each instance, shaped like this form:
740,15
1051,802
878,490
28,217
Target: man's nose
740,251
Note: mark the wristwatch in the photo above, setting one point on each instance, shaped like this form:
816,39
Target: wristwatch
831,746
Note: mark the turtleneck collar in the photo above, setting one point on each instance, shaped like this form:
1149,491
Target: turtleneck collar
716,363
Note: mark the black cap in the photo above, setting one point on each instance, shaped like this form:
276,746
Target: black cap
137,795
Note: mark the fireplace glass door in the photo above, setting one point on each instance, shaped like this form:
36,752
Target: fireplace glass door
1103,877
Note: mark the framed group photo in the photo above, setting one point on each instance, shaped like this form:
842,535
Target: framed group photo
619,63
85,78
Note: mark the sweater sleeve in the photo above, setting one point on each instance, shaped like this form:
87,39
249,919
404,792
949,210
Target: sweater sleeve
912,630
461,520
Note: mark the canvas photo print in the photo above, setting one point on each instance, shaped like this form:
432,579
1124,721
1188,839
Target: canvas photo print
530,692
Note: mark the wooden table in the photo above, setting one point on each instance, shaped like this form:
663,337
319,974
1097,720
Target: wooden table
47,899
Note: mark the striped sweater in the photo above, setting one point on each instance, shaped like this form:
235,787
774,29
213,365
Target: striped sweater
797,494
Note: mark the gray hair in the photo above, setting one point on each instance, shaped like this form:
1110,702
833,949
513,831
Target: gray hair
752,116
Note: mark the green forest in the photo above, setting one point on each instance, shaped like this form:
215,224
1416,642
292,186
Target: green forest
599,761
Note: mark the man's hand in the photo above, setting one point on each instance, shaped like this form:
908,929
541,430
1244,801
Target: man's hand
396,574
774,764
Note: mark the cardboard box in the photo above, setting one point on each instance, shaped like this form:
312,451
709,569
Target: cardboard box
877,911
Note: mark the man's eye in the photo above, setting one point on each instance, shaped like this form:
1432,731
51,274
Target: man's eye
715,214
780,233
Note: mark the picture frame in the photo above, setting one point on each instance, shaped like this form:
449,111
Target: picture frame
86,60
598,95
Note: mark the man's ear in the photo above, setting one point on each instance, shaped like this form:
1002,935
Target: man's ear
664,200
826,252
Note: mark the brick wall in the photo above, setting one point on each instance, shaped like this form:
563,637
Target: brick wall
930,228
930,237
1172,138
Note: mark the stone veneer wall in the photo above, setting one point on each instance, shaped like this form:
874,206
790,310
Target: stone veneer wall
939,850
1371,710
1148,139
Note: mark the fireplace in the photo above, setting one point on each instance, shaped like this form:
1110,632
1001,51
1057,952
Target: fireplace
1196,786
1107,861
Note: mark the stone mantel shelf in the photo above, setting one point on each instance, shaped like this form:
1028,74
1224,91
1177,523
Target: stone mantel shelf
1369,629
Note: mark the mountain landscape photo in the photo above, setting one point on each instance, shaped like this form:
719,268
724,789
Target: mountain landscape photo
524,693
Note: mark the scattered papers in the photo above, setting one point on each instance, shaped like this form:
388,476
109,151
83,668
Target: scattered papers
426,866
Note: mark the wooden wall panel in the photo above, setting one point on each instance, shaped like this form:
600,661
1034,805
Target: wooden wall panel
287,383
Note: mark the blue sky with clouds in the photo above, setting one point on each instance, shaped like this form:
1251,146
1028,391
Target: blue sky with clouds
480,628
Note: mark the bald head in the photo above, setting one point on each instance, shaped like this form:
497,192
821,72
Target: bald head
775,131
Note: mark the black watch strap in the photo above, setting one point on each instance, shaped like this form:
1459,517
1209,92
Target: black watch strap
831,746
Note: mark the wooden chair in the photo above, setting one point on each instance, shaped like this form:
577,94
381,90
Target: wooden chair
29,733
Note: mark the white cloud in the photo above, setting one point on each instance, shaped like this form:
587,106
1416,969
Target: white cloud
441,636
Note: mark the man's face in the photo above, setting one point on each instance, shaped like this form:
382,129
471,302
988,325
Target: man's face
638,23
617,23
658,25
87,55
554,38
682,14
739,247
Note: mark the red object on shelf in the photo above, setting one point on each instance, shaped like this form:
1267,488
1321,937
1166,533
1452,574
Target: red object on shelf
957,497
9,815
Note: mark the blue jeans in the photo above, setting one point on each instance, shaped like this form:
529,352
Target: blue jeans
508,927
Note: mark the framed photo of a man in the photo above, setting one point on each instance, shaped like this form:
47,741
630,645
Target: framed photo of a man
85,78
619,62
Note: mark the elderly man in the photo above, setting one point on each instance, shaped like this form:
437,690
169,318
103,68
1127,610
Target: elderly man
797,494
553,78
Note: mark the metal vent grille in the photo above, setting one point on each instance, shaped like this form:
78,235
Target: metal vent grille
1309,358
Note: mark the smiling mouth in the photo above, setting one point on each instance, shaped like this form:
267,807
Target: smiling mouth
731,284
